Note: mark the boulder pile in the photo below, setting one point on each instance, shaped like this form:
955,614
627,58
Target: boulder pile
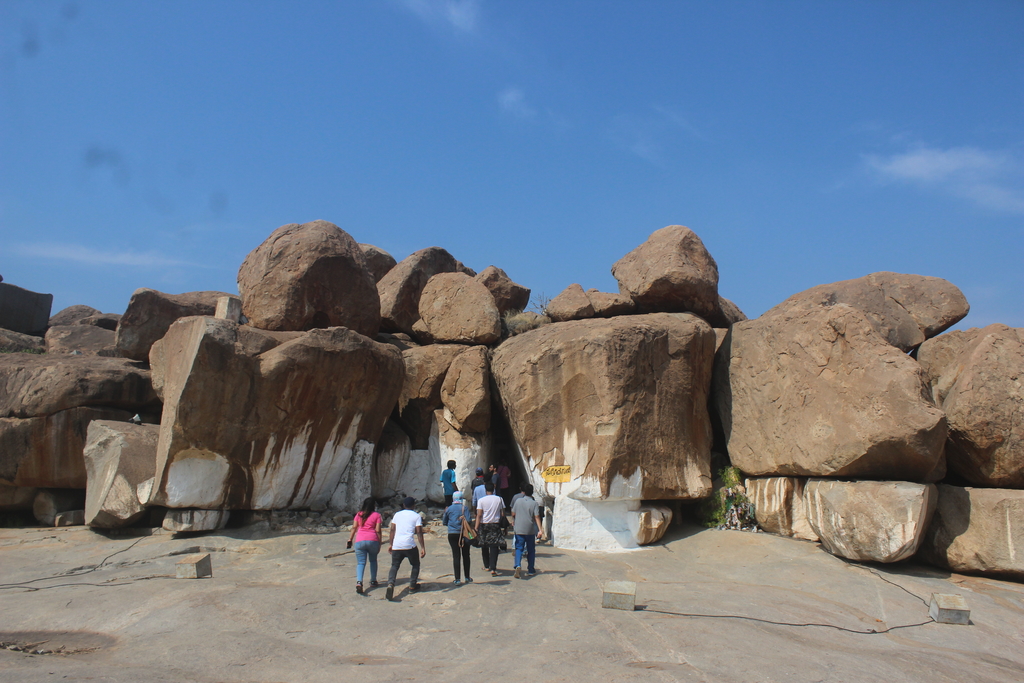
338,373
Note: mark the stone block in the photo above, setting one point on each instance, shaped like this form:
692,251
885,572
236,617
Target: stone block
24,311
949,609
70,518
619,595
229,308
190,520
194,567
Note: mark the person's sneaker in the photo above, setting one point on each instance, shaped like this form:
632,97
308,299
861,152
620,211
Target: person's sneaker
531,573
414,588
457,582
469,580
390,595
374,584
359,587
519,573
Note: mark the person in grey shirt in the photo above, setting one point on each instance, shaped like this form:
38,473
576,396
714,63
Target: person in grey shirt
526,526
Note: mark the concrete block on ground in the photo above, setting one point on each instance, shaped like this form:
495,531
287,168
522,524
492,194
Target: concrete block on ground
619,595
194,567
70,518
949,609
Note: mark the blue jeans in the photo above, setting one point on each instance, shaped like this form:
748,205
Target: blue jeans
364,550
527,542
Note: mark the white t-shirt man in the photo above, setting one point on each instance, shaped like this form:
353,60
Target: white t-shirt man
405,522
492,506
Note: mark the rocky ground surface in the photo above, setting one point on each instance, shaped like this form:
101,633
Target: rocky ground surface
281,606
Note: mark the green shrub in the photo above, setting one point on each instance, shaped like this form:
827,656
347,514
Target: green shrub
728,507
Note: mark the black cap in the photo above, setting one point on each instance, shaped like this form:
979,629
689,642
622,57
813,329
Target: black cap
408,501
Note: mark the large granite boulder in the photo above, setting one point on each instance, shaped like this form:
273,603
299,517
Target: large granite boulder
108,321
779,506
120,458
457,308
308,276
24,311
378,261
400,289
46,451
608,305
88,340
671,271
425,370
278,430
977,378
33,385
72,315
649,523
150,313
726,314
466,391
16,342
191,520
571,304
977,531
819,392
877,521
609,412
508,296
905,309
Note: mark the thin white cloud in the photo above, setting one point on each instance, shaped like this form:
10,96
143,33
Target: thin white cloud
513,101
77,253
461,15
989,179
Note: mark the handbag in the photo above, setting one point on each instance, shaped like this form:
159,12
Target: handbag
468,535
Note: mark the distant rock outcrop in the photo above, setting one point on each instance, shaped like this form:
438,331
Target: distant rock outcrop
309,276
24,311
378,261
150,313
400,289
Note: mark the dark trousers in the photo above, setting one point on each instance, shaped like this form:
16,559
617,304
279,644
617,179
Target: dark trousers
413,555
453,541
491,557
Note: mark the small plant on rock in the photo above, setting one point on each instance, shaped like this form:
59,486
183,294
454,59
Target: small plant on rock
517,322
728,507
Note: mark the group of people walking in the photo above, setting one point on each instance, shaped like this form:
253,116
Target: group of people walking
479,520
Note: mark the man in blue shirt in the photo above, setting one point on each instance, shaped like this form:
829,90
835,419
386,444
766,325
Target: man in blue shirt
448,482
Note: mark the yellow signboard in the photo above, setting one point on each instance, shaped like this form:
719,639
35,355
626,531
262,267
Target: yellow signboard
557,474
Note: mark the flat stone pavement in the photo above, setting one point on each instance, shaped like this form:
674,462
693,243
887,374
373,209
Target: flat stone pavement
277,610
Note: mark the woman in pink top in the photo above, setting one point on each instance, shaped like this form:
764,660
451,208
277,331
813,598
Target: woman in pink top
366,533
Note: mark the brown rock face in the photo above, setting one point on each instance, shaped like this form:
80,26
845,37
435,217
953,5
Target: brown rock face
378,261
671,271
571,304
150,313
977,531
620,402
309,276
876,521
16,342
779,506
977,377
46,451
72,315
819,392
425,369
508,296
649,523
119,457
727,314
24,311
400,289
905,309
457,308
273,431
108,321
608,305
466,392
33,385
85,339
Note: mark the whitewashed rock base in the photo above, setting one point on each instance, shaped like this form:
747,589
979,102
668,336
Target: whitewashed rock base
779,506
599,526
179,520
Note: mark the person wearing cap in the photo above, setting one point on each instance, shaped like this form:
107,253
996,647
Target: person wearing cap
406,533
453,516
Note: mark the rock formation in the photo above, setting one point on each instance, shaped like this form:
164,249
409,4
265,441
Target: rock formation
571,304
977,378
72,315
819,392
400,289
275,430
609,305
24,311
779,506
150,313
120,460
378,261
466,391
877,521
671,271
617,407
508,296
88,340
456,308
309,276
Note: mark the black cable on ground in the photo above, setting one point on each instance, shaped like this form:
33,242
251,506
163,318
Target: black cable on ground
81,573
869,632
893,583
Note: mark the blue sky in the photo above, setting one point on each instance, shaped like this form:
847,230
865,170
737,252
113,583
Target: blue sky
155,144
